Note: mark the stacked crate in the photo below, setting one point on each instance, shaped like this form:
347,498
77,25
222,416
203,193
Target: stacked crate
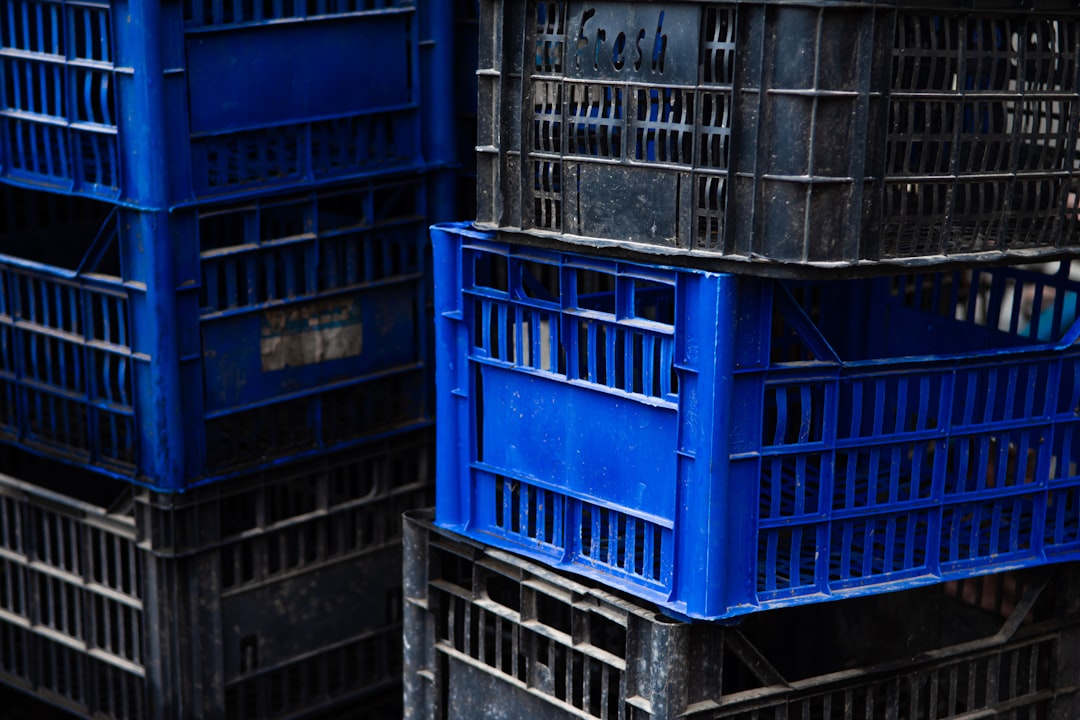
744,323
494,635
272,595
780,139
214,282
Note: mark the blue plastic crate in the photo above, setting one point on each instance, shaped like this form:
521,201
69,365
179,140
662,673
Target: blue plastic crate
160,104
190,346
720,444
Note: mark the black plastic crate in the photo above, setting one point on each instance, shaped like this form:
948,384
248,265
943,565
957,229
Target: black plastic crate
466,42
489,634
266,597
783,136
17,704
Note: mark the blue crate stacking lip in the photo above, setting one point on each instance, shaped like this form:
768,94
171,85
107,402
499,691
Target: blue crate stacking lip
720,444
173,349
159,104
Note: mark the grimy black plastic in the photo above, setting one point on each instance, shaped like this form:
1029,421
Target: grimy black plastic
491,635
262,597
783,138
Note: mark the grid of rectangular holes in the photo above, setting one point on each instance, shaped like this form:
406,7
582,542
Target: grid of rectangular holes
309,245
658,122
70,578
1017,76
58,98
66,355
626,122
602,537
1014,72
518,629
602,326
833,452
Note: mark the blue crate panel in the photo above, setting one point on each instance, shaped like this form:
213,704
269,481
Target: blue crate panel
722,444
186,347
167,103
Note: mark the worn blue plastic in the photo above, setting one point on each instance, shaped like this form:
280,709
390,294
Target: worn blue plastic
721,444
159,104
173,349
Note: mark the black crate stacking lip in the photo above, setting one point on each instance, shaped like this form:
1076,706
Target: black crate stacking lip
783,138
490,634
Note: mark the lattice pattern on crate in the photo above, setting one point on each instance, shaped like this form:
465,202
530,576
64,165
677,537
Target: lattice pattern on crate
81,581
933,440
323,149
1015,677
61,125
626,121
349,413
263,252
68,369
567,321
372,663
58,103
558,523
552,639
527,634
67,364
961,120
1018,78
68,675
74,582
978,495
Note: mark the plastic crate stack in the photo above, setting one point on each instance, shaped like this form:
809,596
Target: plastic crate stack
491,634
766,304
214,339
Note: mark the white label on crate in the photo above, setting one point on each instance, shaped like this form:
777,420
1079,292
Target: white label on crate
311,333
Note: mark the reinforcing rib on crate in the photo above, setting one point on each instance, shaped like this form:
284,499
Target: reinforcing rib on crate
784,136
720,444
173,349
156,104
489,634
270,596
